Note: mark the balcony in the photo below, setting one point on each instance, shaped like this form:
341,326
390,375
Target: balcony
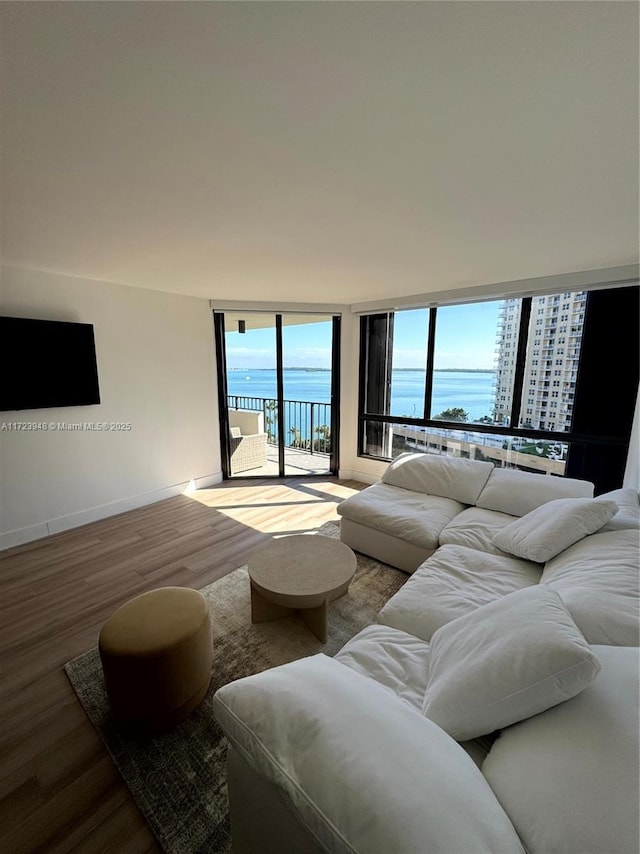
307,426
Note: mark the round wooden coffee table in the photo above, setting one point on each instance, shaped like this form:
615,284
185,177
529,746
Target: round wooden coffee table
299,573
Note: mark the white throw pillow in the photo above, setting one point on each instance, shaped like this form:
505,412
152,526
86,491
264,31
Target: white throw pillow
553,527
505,662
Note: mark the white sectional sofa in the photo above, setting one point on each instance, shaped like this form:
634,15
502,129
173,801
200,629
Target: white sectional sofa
493,705
423,501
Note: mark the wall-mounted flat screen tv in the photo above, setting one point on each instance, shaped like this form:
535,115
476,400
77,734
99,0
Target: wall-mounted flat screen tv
47,363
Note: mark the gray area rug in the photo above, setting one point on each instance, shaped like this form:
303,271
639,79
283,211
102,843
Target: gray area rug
178,779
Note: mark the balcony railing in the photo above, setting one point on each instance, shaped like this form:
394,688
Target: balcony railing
307,424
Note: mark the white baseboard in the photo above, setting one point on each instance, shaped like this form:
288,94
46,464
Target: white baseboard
360,476
204,482
21,536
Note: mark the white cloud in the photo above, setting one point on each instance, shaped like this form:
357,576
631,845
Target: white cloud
250,357
294,357
463,359
409,358
307,357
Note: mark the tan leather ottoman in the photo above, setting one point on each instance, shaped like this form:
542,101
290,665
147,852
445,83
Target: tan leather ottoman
156,653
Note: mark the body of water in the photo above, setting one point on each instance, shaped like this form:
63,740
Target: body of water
471,390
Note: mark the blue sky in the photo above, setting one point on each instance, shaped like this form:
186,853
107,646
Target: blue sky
304,346
465,338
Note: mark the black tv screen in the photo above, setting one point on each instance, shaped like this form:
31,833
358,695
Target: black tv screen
47,363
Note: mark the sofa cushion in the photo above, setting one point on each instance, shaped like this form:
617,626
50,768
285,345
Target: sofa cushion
599,579
432,474
407,515
475,528
452,582
504,662
358,766
391,657
399,661
519,492
383,547
568,777
628,503
553,527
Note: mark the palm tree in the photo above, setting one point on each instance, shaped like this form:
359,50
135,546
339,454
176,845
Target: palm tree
323,442
296,438
270,420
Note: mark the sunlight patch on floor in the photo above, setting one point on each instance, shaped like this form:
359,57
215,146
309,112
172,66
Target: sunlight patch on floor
276,508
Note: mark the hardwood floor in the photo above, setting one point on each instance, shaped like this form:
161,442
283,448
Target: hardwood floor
59,790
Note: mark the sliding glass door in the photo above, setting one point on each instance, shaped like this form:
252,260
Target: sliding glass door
278,388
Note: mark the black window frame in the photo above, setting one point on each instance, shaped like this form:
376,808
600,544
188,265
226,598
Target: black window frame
223,399
610,325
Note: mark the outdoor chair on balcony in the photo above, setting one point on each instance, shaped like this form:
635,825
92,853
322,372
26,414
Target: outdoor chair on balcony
248,450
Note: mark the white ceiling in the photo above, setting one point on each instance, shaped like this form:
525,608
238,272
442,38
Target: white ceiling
319,151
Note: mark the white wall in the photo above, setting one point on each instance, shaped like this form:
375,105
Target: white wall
156,366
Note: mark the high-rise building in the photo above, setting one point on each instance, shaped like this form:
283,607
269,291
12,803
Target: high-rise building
553,351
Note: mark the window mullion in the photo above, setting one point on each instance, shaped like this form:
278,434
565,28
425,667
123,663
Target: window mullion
431,345
521,360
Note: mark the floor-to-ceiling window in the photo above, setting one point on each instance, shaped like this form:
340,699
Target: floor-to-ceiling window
545,384
278,384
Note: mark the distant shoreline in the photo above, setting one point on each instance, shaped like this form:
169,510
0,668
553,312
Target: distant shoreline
328,370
